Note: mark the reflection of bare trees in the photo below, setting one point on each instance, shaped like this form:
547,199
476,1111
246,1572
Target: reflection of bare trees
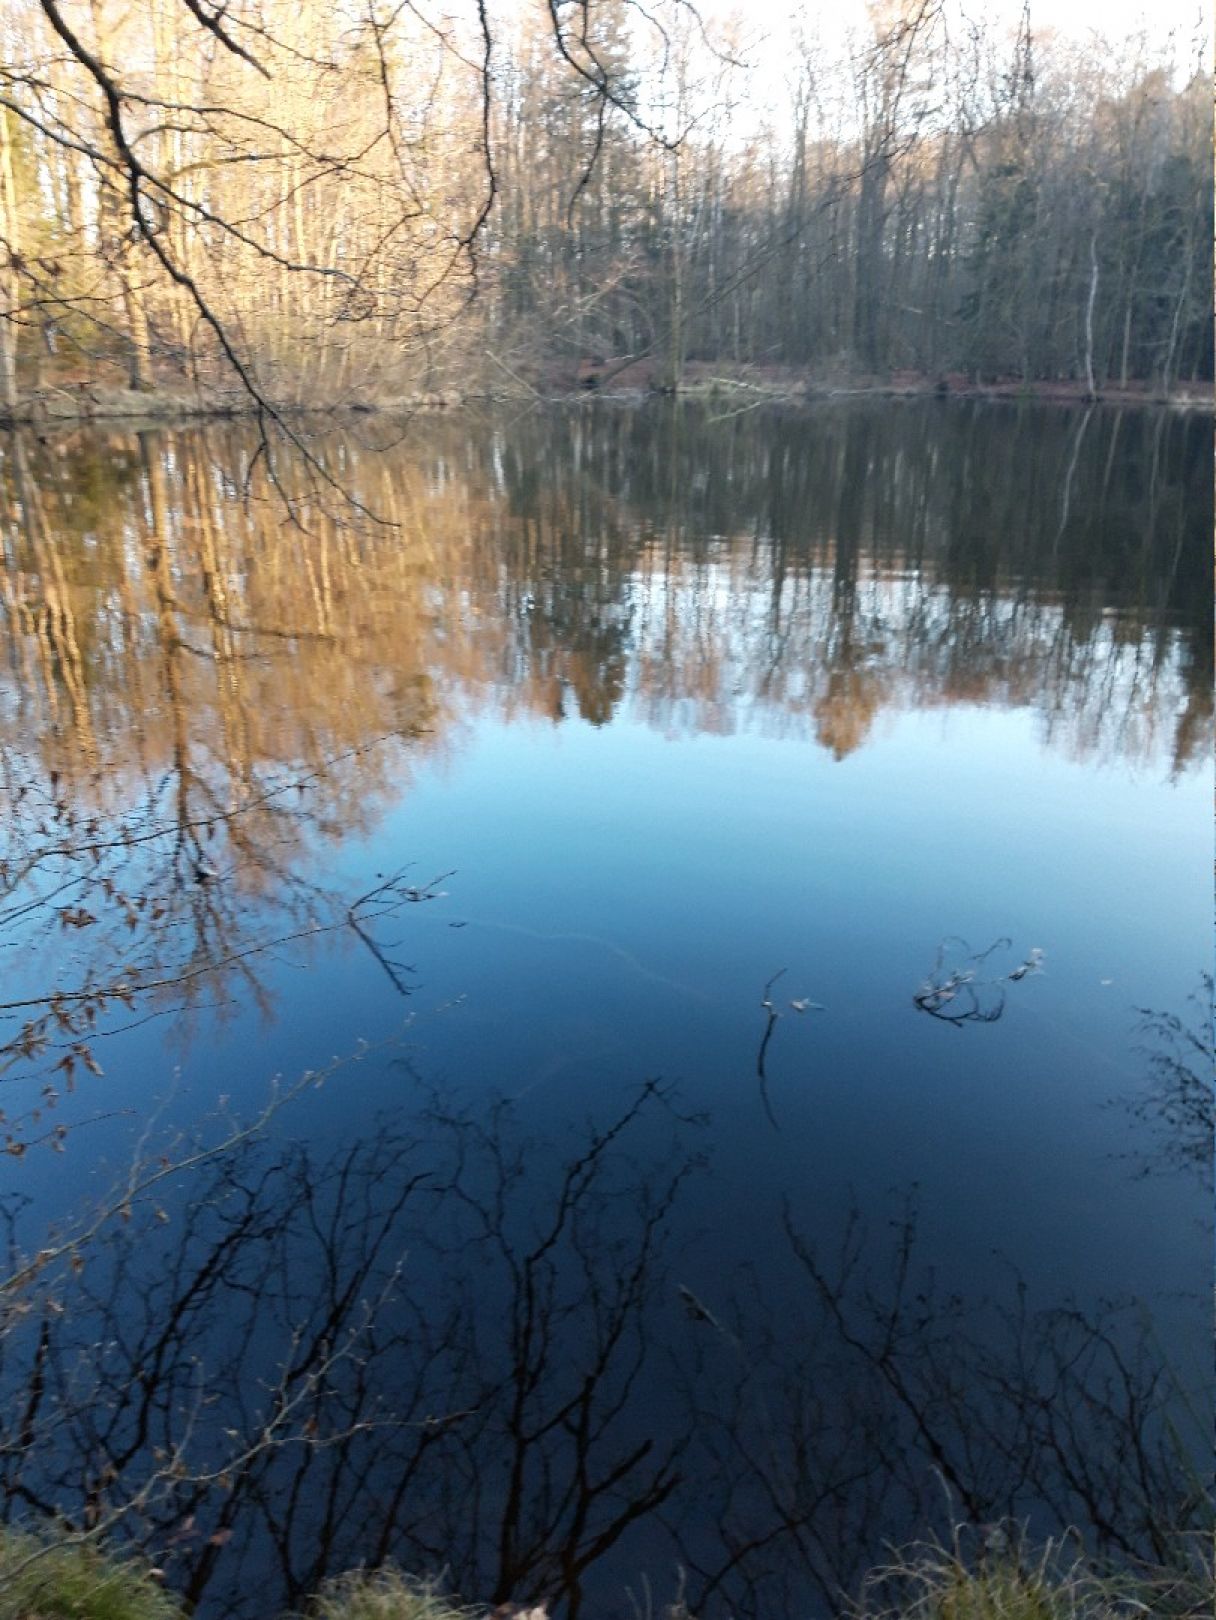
452,1345
404,1348
1178,1100
871,1401
199,701
121,920
800,573
170,806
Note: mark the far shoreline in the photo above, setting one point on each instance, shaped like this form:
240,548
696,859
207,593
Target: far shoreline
739,388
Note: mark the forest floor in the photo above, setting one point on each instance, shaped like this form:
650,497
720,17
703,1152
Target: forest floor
736,387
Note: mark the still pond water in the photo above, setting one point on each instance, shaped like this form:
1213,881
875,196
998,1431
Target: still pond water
744,885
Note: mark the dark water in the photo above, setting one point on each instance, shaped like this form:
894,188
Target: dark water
744,886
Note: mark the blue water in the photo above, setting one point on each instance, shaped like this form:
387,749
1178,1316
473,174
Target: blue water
663,748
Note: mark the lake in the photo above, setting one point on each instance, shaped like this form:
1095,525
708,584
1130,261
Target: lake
608,1002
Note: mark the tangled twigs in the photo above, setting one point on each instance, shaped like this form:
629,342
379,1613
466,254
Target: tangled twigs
959,995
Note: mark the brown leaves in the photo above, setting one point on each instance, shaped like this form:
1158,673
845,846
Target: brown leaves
76,917
78,1053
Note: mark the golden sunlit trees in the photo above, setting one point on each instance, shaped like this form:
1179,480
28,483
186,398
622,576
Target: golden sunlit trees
291,204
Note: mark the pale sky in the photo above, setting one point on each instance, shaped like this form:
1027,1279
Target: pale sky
1189,23
765,34
1080,17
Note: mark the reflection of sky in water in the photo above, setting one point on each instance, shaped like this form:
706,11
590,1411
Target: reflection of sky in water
623,897
827,772
630,895
818,755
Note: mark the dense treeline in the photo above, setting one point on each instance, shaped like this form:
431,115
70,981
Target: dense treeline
342,203
998,206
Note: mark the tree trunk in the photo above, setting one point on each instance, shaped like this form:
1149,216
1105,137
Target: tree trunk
139,370
10,232
1090,390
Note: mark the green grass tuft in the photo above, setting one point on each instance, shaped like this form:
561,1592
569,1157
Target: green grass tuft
1002,1577
383,1594
56,1577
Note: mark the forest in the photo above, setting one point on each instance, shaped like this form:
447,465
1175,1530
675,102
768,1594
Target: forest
293,206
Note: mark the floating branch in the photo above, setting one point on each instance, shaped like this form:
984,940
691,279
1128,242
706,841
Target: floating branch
963,995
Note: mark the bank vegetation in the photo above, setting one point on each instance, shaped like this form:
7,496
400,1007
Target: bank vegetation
292,205
995,1576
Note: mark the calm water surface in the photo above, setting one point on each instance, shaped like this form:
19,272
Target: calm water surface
745,882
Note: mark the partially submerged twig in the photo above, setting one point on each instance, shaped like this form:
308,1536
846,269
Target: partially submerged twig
388,896
956,997
773,1015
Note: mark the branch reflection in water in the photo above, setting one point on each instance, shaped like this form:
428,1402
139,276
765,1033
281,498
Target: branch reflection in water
203,701
462,1335
439,1344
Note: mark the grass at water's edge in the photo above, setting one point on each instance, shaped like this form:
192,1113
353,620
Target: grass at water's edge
45,1576
383,1594
995,1576
62,1577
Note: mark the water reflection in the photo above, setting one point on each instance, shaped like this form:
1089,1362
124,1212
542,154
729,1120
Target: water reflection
1177,1100
443,1342
795,574
206,690
466,1339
